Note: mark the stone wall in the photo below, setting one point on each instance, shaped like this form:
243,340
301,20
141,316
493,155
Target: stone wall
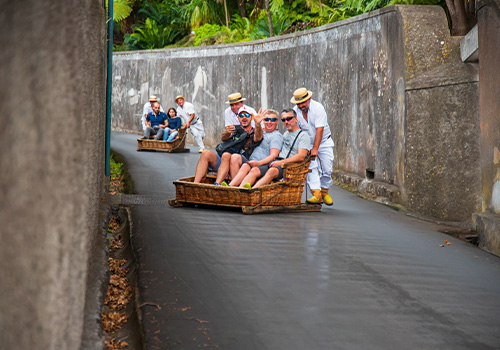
52,107
442,176
488,222
373,73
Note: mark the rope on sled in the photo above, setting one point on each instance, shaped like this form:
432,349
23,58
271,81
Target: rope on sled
284,187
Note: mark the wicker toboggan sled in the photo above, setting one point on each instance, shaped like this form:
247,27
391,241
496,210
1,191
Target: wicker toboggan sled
177,145
281,196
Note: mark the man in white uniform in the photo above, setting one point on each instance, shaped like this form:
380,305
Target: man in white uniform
148,108
311,117
186,111
231,113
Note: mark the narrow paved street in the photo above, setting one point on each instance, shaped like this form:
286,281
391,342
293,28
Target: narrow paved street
358,275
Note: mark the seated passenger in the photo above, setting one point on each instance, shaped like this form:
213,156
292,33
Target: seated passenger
212,161
296,145
148,108
245,117
156,121
266,152
174,124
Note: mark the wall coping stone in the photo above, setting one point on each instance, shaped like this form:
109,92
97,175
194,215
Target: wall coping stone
448,74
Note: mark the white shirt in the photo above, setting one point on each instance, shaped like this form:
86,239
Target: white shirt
316,118
231,118
145,111
185,112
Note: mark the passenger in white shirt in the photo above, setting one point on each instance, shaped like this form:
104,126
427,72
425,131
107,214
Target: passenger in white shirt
311,117
148,108
231,113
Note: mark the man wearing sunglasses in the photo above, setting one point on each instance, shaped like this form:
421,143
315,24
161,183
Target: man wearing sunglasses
252,137
235,102
266,152
296,145
311,117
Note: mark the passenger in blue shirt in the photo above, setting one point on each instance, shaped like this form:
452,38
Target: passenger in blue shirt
157,122
174,124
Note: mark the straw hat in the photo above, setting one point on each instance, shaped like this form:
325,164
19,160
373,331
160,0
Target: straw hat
301,95
153,98
235,98
178,97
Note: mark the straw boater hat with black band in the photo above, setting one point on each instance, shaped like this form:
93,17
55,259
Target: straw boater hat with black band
153,99
178,97
235,98
301,95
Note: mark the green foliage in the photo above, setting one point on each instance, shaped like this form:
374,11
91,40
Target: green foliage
120,47
297,11
117,172
169,22
241,27
209,33
334,14
121,9
163,13
152,36
116,168
358,7
119,181
281,22
199,12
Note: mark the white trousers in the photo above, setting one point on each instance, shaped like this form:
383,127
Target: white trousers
198,133
321,168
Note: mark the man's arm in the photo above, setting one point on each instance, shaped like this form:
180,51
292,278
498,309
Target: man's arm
259,133
228,132
317,141
188,124
296,158
145,110
272,156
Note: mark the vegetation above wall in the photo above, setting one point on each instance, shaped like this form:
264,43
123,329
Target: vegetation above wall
154,24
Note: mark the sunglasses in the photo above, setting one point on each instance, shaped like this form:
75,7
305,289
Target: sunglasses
286,119
244,115
270,119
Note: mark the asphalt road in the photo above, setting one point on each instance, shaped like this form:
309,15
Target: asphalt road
358,275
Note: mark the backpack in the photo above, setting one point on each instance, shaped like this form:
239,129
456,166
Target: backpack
235,142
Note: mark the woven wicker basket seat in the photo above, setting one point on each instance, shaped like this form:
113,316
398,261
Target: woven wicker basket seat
287,192
177,145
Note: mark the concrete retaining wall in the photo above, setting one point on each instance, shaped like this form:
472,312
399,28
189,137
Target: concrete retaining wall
52,108
360,69
442,168
488,223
